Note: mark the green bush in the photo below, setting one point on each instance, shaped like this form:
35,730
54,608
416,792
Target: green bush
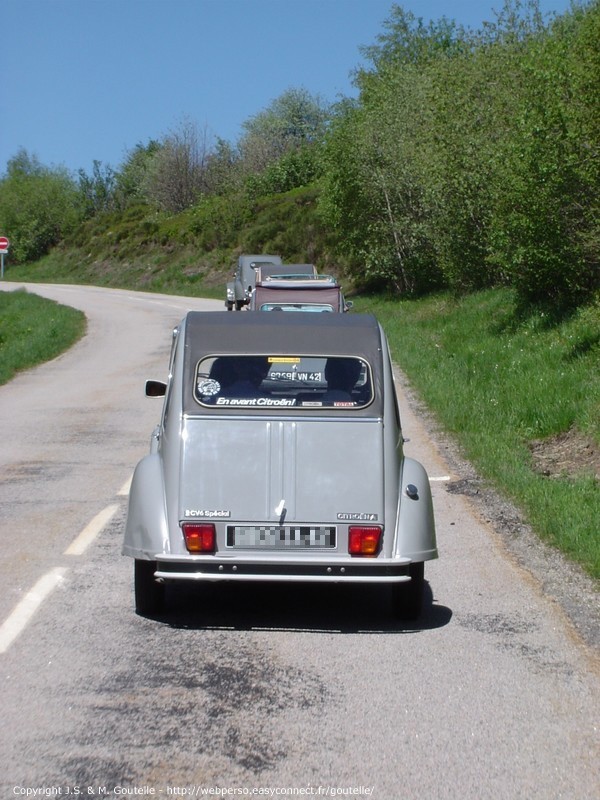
38,207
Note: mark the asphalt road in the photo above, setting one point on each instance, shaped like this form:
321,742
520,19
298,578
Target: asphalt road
255,691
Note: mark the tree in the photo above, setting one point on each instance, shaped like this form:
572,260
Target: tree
546,232
98,191
222,169
132,176
294,120
177,172
408,40
38,206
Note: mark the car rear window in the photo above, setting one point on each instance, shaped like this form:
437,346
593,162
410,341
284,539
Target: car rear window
270,382
314,307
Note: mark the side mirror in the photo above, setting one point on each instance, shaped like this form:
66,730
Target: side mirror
156,389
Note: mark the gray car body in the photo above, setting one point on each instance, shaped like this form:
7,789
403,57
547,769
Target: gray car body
239,289
282,466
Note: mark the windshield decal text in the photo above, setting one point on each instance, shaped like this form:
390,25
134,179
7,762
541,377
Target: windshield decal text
255,401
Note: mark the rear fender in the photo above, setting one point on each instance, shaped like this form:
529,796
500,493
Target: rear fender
146,531
415,532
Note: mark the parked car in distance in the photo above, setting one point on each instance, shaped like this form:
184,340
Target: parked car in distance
239,289
279,457
314,293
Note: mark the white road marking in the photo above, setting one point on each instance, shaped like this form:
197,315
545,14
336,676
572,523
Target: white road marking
89,533
124,490
27,607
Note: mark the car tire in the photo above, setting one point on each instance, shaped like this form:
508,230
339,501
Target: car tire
239,304
229,305
149,593
407,597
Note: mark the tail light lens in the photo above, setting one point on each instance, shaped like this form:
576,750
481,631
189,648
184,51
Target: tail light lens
364,540
199,537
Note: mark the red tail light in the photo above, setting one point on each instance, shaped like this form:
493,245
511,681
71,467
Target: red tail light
199,537
363,540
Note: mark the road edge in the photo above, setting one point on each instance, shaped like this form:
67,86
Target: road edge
561,580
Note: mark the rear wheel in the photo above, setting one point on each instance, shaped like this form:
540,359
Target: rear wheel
149,593
408,597
239,304
229,305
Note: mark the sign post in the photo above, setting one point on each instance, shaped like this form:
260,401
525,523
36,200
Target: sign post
4,243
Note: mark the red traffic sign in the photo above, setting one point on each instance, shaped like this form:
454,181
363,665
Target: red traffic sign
4,243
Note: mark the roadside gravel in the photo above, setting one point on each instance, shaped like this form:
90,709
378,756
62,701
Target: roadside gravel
575,592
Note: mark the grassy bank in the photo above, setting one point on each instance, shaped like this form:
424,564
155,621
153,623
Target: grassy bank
193,253
182,273
34,330
521,396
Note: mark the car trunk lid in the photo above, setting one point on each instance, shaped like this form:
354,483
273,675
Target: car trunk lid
259,471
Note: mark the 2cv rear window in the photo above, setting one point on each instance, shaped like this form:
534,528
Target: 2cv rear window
271,382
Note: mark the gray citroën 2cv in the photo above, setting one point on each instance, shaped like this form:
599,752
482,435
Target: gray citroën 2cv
279,457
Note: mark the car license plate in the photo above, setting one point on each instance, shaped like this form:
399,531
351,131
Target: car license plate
274,537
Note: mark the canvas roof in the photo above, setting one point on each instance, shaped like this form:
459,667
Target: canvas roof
304,334
266,270
294,293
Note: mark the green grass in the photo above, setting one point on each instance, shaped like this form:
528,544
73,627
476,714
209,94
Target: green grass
181,274
498,383
34,330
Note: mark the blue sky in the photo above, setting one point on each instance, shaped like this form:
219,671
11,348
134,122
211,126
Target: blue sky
85,80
